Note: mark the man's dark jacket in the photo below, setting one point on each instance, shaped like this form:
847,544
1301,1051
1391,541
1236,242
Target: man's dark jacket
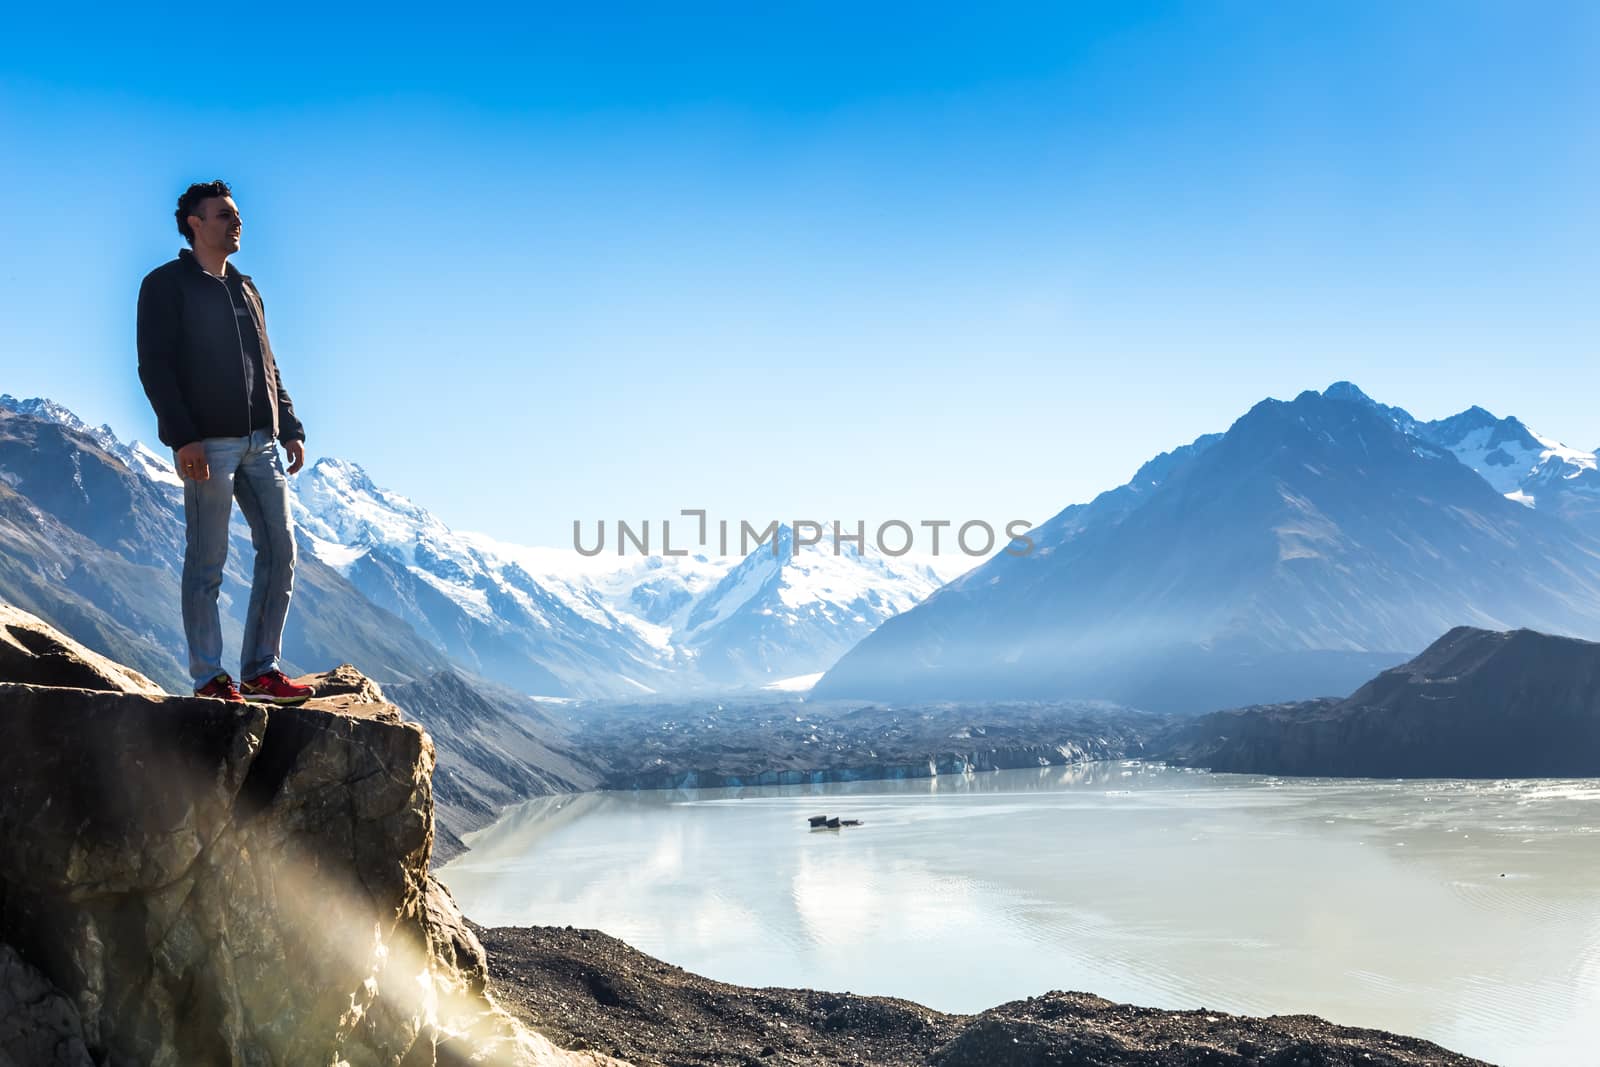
192,359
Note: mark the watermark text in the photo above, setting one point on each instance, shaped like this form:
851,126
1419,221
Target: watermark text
894,537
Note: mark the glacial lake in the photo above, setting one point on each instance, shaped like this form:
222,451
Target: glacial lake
1464,912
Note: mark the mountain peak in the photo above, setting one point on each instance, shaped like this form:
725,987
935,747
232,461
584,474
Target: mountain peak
39,407
1333,420
1477,418
1348,391
342,471
333,463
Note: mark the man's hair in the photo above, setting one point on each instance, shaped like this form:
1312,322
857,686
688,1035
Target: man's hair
189,202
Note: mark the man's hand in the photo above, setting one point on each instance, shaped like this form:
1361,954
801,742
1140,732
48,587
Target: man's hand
192,461
296,451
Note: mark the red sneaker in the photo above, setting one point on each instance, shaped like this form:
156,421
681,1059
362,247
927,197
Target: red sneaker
220,688
274,687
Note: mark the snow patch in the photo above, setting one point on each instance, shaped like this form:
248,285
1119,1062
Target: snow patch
800,683
153,465
474,602
340,557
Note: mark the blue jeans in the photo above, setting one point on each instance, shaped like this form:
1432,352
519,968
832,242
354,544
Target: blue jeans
249,470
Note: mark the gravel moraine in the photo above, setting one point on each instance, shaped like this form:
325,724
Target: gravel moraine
586,990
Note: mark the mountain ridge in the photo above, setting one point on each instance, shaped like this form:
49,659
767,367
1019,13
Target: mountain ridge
1473,704
503,612
1315,541
680,627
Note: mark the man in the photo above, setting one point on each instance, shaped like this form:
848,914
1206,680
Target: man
208,370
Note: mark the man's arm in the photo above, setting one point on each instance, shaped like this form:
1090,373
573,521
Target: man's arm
290,429
158,339
290,432
289,426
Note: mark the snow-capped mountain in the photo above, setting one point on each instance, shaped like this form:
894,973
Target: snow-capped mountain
1519,463
143,460
778,615
550,621
733,623
39,407
602,626
91,539
481,609
1315,542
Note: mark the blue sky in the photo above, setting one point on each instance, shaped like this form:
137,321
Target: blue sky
918,262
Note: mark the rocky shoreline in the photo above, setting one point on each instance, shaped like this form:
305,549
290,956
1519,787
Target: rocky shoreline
586,990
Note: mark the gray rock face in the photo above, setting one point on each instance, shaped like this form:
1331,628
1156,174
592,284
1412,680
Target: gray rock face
1475,704
212,883
34,652
39,1027
494,748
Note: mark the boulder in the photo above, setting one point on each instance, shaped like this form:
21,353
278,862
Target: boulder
192,881
31,650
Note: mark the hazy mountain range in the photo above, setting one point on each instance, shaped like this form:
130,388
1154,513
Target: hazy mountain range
1314,543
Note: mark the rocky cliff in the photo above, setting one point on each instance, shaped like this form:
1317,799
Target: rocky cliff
1475,704
495,747
187,881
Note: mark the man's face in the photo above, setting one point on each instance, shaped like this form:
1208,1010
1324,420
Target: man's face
216,224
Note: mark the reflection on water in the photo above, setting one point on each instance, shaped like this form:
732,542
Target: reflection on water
1464,912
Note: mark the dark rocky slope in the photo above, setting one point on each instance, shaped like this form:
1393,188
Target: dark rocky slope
1475,704
588,990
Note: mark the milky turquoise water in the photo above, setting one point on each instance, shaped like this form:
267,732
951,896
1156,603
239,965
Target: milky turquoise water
1464,912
